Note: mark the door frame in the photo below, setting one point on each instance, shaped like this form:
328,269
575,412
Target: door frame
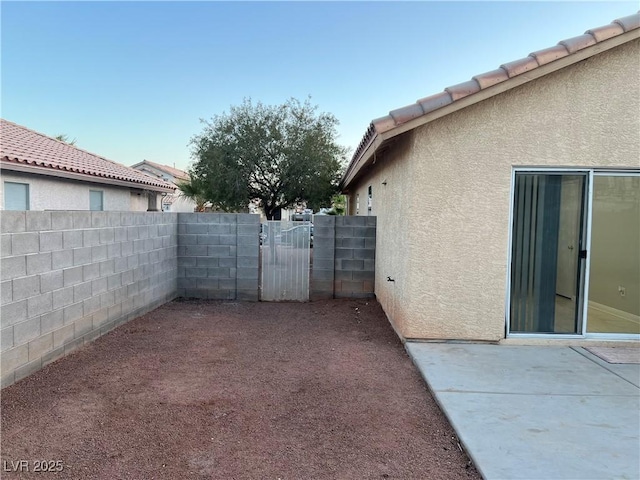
586,267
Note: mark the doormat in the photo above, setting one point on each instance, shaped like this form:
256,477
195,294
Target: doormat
616,354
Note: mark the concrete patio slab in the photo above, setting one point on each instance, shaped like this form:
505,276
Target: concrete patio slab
629,372
537,412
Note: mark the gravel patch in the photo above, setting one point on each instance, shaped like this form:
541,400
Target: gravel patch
234,390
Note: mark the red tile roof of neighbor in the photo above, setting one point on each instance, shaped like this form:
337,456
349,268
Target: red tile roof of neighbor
25,150
398,120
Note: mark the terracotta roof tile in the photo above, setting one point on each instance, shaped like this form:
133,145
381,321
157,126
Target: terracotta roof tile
379,125
518,67
578,43
606,32
20,145
550,54
462,90
434,102
630,22
404,114
489,79
486,80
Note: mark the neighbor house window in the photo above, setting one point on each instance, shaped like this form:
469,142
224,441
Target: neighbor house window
357,203
369,200
96,200
16,196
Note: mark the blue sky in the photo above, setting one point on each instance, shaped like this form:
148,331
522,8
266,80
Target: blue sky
131,80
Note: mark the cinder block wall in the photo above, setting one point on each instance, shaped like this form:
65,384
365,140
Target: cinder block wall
69,277
343,257
324,248
218,256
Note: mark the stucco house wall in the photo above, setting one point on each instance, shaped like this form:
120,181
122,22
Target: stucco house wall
391,203
445,207
51,193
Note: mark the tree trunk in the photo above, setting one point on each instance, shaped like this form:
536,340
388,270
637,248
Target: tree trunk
270,211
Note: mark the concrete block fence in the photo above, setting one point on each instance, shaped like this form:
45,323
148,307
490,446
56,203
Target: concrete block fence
218,256
69,277
344,257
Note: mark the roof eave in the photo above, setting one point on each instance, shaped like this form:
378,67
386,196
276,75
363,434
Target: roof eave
32,169
355,165
365,158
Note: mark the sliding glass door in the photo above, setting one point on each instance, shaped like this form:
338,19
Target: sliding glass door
548,252
614,279
575,254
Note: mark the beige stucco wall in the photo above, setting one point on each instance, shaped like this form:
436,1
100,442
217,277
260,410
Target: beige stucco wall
449,188
391,203
50,193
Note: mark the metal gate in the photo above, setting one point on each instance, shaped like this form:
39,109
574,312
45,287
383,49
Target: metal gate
285,250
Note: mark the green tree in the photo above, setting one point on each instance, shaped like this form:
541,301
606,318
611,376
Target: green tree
194,190
280,155
338,205
63,137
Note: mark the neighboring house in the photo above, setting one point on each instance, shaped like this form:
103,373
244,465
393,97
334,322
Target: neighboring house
42,173
509,205
171,202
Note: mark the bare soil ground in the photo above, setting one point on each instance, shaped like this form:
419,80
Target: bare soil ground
236,391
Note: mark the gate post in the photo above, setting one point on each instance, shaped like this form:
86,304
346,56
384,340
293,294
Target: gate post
322,276
355,254
248,250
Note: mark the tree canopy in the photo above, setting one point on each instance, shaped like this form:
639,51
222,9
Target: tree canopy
193,190
281,155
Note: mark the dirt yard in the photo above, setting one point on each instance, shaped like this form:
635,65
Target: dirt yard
234,391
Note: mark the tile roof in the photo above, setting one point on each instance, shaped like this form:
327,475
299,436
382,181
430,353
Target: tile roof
22,147
478,83
175,172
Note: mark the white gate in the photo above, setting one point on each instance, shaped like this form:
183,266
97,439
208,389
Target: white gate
285,249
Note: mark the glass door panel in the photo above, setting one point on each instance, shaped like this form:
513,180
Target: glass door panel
547,253
614,278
